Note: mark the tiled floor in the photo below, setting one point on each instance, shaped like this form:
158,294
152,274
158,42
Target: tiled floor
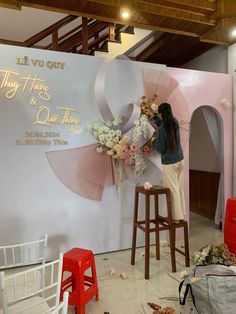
130,296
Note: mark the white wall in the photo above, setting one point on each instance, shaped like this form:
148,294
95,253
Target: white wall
214,60
231,70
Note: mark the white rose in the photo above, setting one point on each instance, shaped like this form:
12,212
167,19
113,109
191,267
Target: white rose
95,126
109,123
89,127
183,274
118,132
99,149
109,144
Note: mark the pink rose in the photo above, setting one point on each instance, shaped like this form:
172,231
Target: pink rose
154,106
147,185
133,147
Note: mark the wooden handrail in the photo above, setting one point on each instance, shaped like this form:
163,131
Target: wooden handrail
76,39
72,31
49,30
95,42
11,42
84,38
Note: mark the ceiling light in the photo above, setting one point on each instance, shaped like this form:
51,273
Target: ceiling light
233,33
125,13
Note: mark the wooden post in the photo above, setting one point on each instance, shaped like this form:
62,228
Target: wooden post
55,40
84,35
112,32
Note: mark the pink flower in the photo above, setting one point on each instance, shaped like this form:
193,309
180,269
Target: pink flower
133,147
127,154
154,106
146,149
147,185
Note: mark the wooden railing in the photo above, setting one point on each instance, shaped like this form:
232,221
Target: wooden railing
85,38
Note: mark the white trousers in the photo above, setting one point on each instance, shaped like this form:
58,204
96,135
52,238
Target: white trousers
174,179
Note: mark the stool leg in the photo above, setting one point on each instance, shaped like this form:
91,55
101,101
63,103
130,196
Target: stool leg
80,304
157,231
172,247
186,244
134,228
147,237
171,231
94,276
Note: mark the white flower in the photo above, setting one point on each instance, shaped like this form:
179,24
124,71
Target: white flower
109,123
105,129
118,132
183,274
100,130
89,127
95,134
147,185
101,137
109,144
95,126
109,137
99,149
117,120
194,279
154,106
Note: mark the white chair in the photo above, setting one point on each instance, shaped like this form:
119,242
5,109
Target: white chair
25,293
62,308
23,254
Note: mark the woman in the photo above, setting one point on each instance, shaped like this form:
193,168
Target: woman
172,158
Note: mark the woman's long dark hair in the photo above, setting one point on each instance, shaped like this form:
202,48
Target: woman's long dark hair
170,124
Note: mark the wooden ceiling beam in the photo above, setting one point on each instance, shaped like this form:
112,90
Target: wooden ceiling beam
160,10
10,4
85,8
206,5
135,3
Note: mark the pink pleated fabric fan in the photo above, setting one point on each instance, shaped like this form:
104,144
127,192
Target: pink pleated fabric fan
166,88
86,172
83,170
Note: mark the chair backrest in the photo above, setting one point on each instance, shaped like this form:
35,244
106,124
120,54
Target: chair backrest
33,288
23,254
62,308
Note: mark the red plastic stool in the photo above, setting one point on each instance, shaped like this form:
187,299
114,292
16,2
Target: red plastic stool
230,225
82,288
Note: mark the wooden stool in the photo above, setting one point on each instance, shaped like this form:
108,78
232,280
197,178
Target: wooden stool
161,223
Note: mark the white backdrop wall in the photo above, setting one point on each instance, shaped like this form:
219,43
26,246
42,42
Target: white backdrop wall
36,83
33,200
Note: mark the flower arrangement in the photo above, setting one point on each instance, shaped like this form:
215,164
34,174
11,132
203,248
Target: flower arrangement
215,254
126,149
148,106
